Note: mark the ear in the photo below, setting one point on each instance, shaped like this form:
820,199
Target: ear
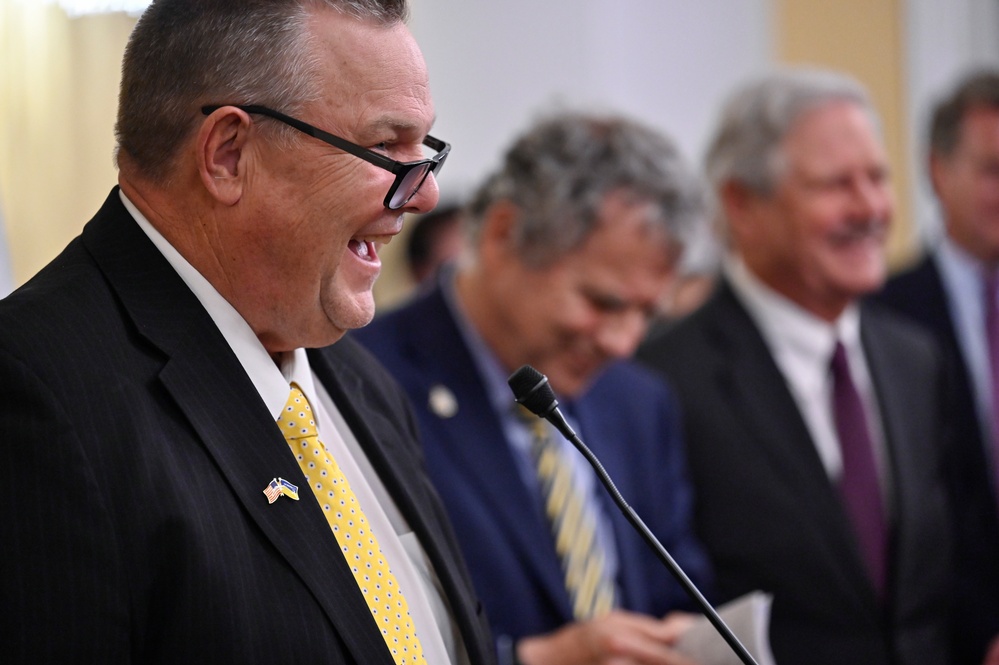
938,171
497,239
739,203
222,160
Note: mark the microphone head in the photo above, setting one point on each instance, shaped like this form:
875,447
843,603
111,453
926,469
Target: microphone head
530,388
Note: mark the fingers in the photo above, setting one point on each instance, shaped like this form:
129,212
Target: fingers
619,638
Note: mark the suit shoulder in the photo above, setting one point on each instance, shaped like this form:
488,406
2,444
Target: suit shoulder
680,343
907,291
389,326
627,381
67,306
905,335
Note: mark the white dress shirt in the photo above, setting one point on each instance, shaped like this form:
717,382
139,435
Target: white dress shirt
802,346
439,637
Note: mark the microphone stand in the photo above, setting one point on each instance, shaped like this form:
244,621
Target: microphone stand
554,416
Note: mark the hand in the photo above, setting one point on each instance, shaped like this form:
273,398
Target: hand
618,638
992,657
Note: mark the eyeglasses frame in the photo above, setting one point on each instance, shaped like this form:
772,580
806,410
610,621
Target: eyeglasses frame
397,168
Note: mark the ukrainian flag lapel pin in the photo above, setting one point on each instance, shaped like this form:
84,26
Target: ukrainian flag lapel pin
287,489
279,487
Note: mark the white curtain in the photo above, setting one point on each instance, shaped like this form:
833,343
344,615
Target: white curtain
6,272
946,39
58,93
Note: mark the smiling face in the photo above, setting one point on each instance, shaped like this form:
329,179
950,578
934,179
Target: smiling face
570,318
819,237
305,260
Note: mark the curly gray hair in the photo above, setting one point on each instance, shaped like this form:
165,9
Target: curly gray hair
560,172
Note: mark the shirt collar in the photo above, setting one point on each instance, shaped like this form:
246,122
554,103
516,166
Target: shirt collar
787,327
964,272
491,370
270,381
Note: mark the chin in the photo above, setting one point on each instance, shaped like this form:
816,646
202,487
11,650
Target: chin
354,315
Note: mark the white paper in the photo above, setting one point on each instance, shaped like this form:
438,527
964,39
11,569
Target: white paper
748,617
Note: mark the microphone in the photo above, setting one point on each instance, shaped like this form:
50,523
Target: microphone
531,390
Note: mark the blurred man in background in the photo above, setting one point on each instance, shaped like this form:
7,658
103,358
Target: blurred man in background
954,291
814,424
570,246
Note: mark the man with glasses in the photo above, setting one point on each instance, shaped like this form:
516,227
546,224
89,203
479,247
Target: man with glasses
570,245
196,472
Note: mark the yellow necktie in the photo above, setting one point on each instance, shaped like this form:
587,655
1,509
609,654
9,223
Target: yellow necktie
573,526
356,540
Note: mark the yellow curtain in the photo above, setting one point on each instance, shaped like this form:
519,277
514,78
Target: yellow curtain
58,94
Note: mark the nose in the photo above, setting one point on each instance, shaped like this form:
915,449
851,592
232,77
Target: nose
872,199
426,197
620,333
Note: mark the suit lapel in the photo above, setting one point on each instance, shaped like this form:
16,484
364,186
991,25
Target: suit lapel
474,440
213,392
759,397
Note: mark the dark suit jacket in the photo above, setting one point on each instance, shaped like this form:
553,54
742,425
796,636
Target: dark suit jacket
919,293
628,419
135,450
767,512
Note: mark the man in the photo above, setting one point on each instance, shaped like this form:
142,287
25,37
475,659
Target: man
169,496
434,240
813,422
948,291
570,245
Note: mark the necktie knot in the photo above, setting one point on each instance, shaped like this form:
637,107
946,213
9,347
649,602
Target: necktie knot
537,426
839,363
297,420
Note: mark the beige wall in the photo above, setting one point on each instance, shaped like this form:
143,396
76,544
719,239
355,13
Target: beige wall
58,89
864,38
58,92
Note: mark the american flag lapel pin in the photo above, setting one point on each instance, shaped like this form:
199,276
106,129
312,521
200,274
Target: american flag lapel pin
279,487
273,491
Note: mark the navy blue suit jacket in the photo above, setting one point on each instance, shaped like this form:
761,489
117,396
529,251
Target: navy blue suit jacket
919,293
767,512
628,418
135,450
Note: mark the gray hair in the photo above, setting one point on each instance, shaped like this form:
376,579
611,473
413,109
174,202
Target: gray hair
979,89
184,54
755,120
560,172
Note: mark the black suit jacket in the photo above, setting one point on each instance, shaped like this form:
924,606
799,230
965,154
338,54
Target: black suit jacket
135,450
769,515
919,293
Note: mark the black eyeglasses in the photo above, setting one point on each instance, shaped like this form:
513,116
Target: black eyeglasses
409,176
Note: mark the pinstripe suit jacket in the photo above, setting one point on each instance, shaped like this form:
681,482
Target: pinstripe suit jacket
135,450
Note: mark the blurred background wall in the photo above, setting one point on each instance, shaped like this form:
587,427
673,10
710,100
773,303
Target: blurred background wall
495,66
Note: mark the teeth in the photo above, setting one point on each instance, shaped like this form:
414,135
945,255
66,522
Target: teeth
381,239
362,250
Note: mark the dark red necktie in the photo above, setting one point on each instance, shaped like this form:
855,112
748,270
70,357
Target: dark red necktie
859,486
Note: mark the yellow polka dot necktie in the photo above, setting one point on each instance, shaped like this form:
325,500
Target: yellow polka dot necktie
573,525
360,548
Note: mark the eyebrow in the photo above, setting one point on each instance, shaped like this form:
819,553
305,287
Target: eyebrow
399,126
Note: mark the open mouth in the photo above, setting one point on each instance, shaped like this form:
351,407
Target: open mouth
366,247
